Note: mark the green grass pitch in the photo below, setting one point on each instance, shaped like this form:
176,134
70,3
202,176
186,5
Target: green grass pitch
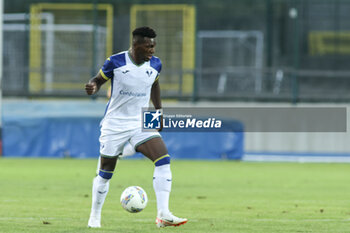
51,195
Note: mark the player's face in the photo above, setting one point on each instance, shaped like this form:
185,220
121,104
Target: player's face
147,49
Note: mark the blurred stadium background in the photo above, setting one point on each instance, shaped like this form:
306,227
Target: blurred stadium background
245,53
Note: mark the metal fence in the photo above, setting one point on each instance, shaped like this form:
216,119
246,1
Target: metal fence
271,50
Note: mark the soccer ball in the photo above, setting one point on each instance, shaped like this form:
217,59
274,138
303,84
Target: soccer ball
133,199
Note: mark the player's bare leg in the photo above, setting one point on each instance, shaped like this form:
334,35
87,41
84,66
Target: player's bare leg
100,189
128,150
156,151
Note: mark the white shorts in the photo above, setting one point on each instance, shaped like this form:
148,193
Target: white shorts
112,142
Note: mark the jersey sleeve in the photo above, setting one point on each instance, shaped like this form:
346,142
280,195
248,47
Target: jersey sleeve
107,69
157,65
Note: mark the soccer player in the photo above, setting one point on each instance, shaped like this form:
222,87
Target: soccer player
134,78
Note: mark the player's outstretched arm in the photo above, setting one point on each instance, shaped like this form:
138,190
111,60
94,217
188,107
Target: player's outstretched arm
94,84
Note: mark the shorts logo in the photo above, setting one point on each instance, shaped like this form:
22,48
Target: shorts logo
151,119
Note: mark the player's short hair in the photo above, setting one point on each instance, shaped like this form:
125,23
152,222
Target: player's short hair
144,32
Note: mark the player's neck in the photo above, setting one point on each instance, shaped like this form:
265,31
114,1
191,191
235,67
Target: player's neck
135,59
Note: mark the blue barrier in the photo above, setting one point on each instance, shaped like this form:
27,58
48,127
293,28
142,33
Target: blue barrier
51,137
71,129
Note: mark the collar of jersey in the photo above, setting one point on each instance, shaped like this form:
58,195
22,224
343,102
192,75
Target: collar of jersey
132,60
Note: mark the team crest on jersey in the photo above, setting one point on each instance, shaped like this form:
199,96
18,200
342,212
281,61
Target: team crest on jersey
149,73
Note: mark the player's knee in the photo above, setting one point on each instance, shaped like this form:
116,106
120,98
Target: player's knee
163,160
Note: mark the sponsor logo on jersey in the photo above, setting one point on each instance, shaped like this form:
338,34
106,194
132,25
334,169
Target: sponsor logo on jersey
130,93
125,71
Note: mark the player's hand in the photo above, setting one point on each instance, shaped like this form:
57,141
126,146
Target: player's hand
91,88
